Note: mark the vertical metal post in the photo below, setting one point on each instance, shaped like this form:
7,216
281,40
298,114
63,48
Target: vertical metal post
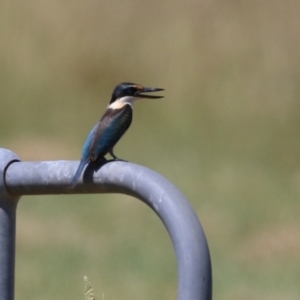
8,206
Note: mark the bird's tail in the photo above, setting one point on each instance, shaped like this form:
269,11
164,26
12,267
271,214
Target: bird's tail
80,168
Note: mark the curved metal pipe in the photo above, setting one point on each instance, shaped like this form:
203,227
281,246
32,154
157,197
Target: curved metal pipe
54,177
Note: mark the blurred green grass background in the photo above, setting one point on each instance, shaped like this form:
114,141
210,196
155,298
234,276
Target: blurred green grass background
226,133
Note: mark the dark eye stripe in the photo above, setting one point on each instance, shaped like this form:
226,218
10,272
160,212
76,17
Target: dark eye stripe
131,90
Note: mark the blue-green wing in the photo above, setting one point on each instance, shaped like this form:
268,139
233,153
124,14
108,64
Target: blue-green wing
108,131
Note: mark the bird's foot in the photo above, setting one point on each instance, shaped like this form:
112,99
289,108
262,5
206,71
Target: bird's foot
119,159
115,158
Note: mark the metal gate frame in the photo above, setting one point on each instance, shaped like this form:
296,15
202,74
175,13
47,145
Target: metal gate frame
19,178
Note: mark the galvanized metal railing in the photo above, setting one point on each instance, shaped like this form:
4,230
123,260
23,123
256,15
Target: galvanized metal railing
53,177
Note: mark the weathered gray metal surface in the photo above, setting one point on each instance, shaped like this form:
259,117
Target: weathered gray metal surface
54,177
8,205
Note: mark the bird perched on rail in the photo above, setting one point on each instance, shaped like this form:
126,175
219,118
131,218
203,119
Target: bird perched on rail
113,124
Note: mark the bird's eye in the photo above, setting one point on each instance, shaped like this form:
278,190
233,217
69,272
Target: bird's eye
132,90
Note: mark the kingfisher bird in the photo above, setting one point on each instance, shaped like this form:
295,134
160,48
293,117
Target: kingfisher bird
113,124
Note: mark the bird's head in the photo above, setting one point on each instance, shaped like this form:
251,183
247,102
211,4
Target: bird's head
128,92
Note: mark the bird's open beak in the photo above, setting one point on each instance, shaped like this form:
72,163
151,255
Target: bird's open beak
148,90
